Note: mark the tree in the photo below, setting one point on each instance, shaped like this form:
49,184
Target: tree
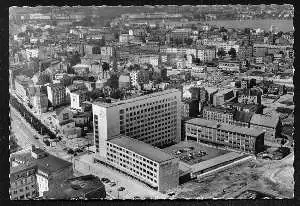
232,53
189,41
75,59
13,146
221,52
105,66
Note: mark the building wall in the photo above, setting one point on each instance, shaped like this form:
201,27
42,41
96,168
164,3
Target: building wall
40,103
134,164
168,175
270,133
77,99
155,120
217,116
234,140
47,181
56,95
21,91
24,187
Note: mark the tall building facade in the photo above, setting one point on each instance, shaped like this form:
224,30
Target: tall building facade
154,119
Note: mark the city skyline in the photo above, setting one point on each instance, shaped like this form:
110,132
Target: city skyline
152,102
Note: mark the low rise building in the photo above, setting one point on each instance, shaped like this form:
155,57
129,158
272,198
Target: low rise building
270,124
144,162
229,65
212,132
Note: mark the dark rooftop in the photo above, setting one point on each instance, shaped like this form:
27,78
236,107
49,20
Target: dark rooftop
88,186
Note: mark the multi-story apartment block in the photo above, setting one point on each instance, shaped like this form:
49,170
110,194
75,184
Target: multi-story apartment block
22,84
134,78
218,114
35,172
222,96
23,183
229,65
77,98
270,124
226,116
225,135
56,94
154,119
249,96
107,51
40,103
150,165
206,54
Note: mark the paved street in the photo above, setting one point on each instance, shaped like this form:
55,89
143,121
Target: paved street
25,135
133,187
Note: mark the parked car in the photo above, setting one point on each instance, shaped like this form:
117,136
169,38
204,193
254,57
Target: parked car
70,151
105,180
112,184
36,137
121,188
136,197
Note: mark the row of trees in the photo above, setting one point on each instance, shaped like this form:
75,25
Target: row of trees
36,123
232,53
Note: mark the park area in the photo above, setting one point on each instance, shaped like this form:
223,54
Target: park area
192,152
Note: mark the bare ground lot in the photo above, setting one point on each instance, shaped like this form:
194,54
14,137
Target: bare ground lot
273,177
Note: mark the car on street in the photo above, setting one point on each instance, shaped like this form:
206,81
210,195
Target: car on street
171,194
121,188
113,184
105,180
70,151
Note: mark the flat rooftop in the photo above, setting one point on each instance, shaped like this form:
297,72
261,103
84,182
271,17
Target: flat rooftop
141,148
134,99
49,163
227,127
193,147
76,187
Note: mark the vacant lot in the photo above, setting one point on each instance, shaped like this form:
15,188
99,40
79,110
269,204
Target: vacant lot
260,175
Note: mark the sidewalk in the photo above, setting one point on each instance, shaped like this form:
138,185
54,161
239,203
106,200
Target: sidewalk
132,187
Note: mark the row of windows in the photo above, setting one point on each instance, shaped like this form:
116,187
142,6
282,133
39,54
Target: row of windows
137,170
148,104
120,149
221,132
149,111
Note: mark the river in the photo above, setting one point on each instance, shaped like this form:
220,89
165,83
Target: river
265,24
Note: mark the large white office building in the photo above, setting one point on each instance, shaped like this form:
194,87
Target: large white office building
154,119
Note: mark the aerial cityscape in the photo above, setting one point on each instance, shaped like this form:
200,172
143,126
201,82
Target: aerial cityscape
151,102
